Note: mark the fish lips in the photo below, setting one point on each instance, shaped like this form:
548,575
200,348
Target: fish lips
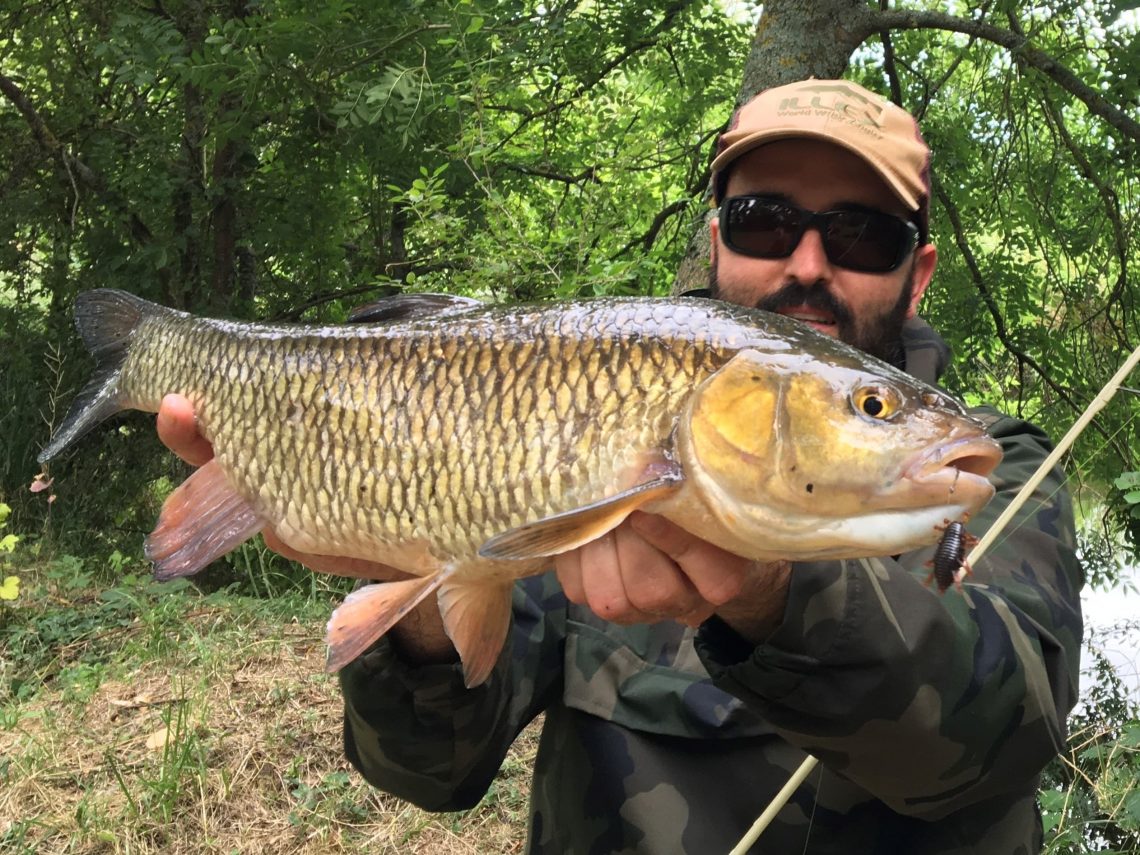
956,471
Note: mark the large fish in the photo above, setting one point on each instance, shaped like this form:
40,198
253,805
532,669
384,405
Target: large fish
467,444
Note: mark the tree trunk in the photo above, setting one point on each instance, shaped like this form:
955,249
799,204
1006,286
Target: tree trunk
223,181
228,174
191,24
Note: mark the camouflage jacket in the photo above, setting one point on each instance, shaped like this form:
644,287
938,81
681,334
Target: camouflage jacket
932,715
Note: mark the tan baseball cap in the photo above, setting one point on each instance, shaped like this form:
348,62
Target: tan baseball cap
838,111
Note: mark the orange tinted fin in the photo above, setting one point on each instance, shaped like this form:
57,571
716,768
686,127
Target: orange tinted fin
563,532
200,521
476,617
369,612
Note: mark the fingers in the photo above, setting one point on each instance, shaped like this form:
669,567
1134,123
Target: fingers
178,430
568,567
718,575
626,578
654,584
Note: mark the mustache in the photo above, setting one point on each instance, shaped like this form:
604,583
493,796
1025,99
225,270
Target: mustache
814,297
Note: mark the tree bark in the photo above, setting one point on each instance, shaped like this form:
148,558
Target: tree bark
228,174
191,24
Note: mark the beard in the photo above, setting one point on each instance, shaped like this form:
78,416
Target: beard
879,335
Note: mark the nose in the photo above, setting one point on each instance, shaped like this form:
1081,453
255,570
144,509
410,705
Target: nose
808,263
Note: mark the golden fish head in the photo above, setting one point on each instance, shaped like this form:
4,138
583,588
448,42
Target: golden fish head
796,457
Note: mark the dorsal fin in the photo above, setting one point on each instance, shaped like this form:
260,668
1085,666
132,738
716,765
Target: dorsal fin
402,307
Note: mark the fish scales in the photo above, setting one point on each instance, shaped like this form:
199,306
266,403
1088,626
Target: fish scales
516,410
467,445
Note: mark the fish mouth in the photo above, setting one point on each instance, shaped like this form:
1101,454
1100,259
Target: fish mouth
958,468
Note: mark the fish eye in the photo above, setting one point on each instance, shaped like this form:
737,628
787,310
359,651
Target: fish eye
877,402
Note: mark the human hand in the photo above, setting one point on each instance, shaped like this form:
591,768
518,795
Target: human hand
649,569
178,430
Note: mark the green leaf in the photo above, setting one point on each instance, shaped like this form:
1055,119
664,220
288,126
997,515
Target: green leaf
1130,738
11,588
474,25
1127,480
1131,809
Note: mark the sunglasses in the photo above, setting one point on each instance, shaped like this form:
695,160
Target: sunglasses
858,239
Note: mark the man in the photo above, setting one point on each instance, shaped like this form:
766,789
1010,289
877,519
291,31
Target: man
932,715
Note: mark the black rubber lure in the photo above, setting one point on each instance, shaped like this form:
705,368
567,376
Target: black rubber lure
949,563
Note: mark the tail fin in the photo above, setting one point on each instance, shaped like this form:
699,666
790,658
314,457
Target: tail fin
105,319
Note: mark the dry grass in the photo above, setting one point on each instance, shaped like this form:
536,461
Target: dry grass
251,761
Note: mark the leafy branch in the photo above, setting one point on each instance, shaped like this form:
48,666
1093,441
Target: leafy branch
75,168
1019,45
589,175
646,239
1023,358
650,40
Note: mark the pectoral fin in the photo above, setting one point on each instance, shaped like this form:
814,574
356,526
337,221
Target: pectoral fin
369,612
201,521
569,530
476,617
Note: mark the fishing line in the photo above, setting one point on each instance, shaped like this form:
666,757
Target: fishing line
1098,403
814,807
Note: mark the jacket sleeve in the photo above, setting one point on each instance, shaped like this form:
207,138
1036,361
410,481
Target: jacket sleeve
418,733
929,702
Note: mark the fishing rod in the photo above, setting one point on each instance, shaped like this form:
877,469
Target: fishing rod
1098,403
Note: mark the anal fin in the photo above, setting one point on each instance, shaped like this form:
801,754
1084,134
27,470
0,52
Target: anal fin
476,617
202,520
369,612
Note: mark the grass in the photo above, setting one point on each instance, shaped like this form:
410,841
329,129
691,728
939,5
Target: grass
149,718
145,718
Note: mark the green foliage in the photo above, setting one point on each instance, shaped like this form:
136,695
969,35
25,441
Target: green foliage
254,570
1129,485
39,642
182,763
268,160
334,796
9,585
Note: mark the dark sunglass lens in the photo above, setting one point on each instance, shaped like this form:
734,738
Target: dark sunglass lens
862,240
762,227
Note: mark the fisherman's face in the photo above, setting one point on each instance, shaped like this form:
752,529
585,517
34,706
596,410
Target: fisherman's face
866,310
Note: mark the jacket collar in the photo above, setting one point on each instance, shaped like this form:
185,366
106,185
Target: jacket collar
926,353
